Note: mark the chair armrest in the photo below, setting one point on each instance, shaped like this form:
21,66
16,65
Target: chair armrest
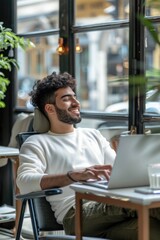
39,194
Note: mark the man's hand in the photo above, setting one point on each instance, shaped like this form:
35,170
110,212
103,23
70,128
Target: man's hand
96,172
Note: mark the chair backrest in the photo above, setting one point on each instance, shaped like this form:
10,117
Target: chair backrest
45,218
21,137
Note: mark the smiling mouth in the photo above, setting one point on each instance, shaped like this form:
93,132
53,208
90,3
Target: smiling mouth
75,110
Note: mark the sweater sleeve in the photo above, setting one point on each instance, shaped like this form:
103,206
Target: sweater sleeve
109,153
31,169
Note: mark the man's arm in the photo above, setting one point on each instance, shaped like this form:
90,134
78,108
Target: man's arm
95,172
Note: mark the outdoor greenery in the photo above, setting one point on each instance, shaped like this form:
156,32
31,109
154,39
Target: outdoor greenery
154,31
152,77
9,41
148,24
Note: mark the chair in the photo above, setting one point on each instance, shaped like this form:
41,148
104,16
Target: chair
41,214
23,122
37,201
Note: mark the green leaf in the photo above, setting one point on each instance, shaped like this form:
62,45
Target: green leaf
9,39
147,23
2,104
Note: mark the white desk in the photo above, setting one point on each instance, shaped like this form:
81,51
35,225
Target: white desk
125,197
9,152
12,153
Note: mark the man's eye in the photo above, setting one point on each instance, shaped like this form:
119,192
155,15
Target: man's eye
66,99
69,98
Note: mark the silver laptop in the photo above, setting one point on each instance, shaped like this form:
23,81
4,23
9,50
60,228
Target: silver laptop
134,154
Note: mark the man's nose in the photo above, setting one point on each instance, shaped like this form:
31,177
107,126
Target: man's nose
75,101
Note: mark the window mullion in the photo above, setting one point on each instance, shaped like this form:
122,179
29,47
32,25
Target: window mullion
66,21
136,66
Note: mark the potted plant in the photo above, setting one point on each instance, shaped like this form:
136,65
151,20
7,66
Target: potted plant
9,41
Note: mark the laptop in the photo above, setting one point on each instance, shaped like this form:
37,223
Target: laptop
130,169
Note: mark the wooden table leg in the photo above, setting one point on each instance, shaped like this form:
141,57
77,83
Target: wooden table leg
143,223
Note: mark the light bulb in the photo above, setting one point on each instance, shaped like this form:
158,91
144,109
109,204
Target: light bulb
61,49
78,47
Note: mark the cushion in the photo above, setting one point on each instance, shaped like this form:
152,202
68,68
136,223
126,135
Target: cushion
40,122
21,124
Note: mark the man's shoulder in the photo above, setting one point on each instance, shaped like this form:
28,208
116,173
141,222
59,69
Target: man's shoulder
36,136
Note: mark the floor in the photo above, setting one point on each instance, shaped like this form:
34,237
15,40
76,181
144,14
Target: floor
27,233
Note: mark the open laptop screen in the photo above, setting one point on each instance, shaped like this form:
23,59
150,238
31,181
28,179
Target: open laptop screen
135,153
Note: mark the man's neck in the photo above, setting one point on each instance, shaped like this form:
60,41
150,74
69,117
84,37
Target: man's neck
62,128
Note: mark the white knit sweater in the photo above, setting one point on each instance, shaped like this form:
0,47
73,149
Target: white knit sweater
51,153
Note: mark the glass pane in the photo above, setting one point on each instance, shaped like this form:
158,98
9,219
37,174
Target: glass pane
36,63
152,58
37,15
95,11
102,70
152,8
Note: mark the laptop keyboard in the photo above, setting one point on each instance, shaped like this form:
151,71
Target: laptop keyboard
99,184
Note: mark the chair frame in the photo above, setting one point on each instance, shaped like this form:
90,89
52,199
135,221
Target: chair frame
29,198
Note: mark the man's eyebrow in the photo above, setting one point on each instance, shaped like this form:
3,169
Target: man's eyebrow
68,95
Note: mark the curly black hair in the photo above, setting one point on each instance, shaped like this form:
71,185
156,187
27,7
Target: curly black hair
43,90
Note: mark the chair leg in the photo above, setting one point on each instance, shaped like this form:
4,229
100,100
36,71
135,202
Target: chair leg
33,219
21,218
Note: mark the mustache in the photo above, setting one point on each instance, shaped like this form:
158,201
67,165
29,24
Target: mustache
75,107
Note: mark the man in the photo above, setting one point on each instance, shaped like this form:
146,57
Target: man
67,154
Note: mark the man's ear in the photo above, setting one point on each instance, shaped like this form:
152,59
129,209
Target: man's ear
49,108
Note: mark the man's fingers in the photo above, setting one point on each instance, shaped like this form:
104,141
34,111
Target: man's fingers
98,174
104,167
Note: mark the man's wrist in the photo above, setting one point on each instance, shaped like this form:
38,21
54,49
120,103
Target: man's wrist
69,175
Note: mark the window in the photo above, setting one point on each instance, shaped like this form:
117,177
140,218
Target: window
101,68
37,20
104,68
37,15
93,11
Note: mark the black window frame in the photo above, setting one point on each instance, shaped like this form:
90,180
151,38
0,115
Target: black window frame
67,29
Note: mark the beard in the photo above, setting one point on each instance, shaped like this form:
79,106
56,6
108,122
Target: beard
65,117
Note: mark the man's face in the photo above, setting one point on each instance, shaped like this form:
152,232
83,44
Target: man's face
67,106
